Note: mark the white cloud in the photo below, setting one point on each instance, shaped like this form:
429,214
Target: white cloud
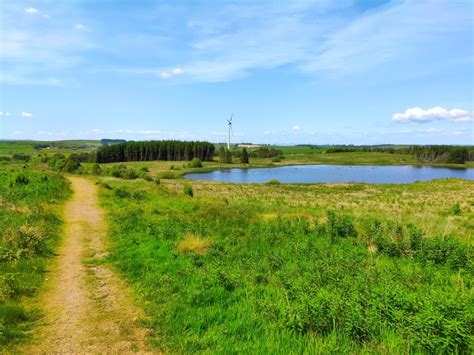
31,11
295,128
149,132
26,114
81,27
417,114
50,133
5,113
171,73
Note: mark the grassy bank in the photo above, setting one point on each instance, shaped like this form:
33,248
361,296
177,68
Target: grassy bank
30,227
293,268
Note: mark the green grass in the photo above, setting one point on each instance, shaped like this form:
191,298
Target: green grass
269,268
30,227
8,148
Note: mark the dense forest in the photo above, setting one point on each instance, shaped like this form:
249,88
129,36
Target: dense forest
155,150
442,153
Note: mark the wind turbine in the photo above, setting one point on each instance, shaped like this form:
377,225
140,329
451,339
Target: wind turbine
229,123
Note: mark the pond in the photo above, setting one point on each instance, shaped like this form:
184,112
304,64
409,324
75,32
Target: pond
335,173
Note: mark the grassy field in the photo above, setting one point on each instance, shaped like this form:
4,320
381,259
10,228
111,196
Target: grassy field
298,268
30,227
8,148
257,268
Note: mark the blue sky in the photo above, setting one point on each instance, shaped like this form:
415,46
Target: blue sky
346,71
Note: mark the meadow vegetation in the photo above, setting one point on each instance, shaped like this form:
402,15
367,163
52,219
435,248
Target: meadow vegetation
257,267
30,227
298,268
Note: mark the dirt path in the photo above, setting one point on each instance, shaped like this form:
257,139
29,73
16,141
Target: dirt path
87,307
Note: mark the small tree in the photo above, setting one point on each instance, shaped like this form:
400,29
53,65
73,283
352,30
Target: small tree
222,154
225,156
244,157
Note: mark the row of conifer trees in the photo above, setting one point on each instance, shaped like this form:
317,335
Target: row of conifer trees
155,150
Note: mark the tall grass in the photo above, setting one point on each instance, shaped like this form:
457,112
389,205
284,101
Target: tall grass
213,276
29,230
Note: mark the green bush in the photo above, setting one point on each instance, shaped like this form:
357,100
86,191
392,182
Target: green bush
195,163
168,175
339,226
456,209
122,192
273,182
21,157
188,190
22,179
71,165
96,169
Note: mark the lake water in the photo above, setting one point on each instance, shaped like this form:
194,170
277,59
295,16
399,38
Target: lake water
335,173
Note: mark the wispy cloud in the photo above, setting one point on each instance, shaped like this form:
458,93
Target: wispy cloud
31,10
39,50
81,27
219,42
26,114
417,114
171,73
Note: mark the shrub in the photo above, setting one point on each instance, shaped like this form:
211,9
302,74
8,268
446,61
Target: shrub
195,163
456,209
96,169
188,190
22,180
276,159
71,165
144,169
122,193
157,181
21,157
118,171
168,175
339,225
273,182
131,174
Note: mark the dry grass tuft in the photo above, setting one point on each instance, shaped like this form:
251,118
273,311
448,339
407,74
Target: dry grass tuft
194,244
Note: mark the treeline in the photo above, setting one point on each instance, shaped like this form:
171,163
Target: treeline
442,153
264,152
379,149
155,150
424,153
107,141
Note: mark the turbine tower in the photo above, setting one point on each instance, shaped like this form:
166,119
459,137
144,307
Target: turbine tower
229,123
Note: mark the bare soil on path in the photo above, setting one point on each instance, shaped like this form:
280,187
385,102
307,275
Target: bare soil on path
87,308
